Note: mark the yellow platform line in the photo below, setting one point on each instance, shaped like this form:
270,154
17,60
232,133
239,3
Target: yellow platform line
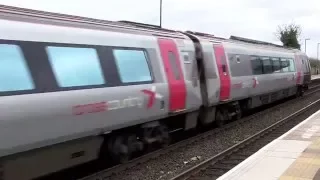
306,165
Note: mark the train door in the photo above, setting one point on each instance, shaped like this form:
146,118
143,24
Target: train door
306,69
306,65
223,72
173,70
298,61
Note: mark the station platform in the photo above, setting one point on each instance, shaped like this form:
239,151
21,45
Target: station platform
315,77
293,156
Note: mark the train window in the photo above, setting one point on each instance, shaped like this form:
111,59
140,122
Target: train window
276,64
75,66
14,72
132,65
267,66
256,65
284,65
174,65
292,66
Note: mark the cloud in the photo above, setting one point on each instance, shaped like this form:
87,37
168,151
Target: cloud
257,19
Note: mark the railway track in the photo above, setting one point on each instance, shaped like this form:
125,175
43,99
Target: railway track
118,169
313,88
216,166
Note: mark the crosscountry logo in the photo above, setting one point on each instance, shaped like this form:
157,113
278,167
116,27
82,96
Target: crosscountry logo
152,95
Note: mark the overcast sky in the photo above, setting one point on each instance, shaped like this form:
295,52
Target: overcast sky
257,19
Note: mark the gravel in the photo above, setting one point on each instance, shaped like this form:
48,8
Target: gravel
169,165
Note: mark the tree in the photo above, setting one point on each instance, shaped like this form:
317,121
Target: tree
289,34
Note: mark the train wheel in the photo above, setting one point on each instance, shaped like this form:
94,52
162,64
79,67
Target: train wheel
121,151
122,147
300,92
221,117
133,144
163,134
238,111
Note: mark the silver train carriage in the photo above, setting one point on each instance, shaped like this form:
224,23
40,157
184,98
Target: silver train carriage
74,91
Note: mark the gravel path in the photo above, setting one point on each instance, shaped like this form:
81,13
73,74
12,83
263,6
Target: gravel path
169,165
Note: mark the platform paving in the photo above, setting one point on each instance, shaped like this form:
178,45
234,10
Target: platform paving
315,76
293,156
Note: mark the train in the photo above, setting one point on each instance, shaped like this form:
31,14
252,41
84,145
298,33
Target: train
76,89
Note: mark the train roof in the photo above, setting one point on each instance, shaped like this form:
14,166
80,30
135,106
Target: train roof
43,17
240,41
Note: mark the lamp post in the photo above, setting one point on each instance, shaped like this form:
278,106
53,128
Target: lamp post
305,44
160,13
318,51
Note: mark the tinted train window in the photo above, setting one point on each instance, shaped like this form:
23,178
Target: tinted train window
174,65
276,64
256,65
132,65
75,66
292,66
224,63
284,62
267,66
14,72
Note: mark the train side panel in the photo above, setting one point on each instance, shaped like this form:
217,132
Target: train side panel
240,70
53,114
255,72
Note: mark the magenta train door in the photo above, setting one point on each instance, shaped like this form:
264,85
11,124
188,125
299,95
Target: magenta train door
223,72
173,70
298,62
